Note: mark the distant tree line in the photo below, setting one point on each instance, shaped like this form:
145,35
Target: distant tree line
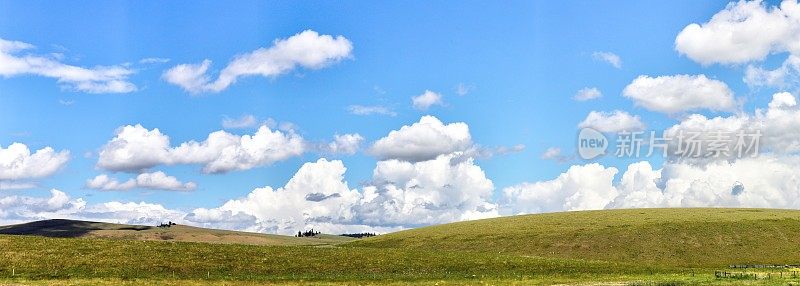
312,232
360,235
308,233
169,224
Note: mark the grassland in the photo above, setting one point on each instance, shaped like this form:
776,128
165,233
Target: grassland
678,246
706,238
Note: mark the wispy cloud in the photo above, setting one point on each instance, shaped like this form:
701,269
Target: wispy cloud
154,60
463,89
245,121
307,49
608,57
587,93
97,79
154,181
370,110
555,154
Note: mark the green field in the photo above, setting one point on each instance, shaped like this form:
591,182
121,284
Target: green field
707,238
655,246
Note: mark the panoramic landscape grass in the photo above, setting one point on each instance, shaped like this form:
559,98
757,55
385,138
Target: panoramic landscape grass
629,247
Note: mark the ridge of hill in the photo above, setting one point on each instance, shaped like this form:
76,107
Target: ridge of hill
88,229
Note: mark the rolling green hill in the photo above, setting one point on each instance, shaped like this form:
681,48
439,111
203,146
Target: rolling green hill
615,247
688,237
86,229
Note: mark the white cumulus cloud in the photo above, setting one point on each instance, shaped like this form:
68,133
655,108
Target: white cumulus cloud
18,163
744,31
315,195
678,93
582,187
426,100
779,125
615,121
135,148
423,140
402,194
448,188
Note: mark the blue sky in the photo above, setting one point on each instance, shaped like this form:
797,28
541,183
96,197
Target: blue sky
521,64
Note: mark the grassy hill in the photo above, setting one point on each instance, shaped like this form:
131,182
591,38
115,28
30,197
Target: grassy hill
37,258
86,229
691,237
635,247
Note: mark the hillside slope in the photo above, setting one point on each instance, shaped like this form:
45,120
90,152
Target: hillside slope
693,237
87,229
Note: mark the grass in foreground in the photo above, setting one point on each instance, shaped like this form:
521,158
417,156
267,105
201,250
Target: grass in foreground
61,258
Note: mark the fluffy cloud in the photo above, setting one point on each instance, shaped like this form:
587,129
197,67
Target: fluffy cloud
17,162
767,180
587,93
677,93
135,148
402,194
782,100
438,186
583,187
779,125
307,49
346,144
155,181
370,109
426,100
612,121
424,140
744,31
448,188
315,195
98,79
608,57
748,32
